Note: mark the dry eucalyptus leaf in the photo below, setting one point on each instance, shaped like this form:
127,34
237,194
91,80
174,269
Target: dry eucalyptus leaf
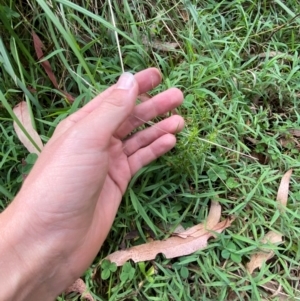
283,190
295,132
259,258
171,248
79,287
38,46
287,142
198,230
22,112
272,54
184,14
174,246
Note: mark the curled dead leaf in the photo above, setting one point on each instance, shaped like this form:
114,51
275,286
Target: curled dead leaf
295,132
171,248
22,112
38,46
272,54
79,287
259,258
272,237
198,230
175,246
283,190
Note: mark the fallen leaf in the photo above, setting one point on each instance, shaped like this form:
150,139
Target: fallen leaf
175,246
283,190
22,112
184,14
211,221
259,258
262,159
38,46
295,132
272,237
287,142
79,287
272,54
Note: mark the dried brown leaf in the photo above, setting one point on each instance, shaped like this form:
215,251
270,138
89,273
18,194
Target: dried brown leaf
287,142
38,46
79,287
258,259
271,54
175,246
184,14
295,133
22,112
283,190
212,220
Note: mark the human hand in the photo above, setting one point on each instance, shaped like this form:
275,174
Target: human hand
68,202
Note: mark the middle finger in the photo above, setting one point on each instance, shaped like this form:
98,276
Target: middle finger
144,112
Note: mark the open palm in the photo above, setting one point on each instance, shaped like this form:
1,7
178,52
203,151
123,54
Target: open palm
75,187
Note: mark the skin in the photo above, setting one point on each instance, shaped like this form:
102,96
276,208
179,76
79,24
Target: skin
57,223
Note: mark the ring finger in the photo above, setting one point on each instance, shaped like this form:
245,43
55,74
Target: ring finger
171,125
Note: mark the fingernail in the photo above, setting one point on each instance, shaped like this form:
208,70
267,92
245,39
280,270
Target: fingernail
126,81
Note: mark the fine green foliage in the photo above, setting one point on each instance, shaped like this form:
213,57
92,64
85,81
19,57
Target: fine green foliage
237,63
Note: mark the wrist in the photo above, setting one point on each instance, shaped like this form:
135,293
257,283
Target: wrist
29,265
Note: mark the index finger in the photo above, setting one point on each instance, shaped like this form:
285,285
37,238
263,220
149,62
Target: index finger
146,80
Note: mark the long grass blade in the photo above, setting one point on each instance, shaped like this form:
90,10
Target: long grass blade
116,35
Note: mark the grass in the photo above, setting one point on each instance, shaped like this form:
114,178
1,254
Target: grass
238,66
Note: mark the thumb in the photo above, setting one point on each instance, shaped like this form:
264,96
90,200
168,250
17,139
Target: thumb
99,125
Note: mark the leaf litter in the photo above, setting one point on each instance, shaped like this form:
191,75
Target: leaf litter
22,112
258,259
38,46
185,242
180,244
283,191
80,287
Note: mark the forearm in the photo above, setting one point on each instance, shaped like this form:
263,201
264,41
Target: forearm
27,272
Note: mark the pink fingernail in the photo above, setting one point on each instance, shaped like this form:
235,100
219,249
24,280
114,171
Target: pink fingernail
126,81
